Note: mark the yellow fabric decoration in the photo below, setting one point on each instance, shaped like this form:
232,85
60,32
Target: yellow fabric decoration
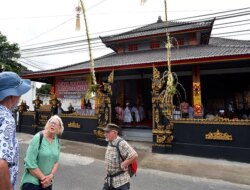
78,26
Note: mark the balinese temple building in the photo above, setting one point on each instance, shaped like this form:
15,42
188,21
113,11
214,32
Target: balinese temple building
214,73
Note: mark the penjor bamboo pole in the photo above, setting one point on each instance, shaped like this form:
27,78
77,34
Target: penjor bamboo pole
92,68
168,45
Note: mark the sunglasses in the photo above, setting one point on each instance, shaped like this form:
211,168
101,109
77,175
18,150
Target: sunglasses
54,123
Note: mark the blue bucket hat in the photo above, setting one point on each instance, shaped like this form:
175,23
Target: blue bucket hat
12,85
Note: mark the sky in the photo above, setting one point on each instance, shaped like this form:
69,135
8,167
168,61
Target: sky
36,23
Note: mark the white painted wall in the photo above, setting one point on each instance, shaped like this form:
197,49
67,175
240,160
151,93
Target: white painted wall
30,96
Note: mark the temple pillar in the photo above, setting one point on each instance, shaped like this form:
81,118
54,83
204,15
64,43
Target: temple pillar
196,92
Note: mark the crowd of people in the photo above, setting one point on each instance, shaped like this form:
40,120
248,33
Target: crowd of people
185,110
131,113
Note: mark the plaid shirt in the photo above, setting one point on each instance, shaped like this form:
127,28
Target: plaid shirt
113,161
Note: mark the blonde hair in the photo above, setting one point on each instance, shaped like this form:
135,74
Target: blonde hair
60,123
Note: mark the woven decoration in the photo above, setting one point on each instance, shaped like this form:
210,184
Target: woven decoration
78,11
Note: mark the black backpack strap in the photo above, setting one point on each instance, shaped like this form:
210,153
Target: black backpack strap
115,174
40,142
118,149
40,139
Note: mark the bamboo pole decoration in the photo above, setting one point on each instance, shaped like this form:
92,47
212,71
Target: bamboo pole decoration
168,46
170,79
78,11
92,68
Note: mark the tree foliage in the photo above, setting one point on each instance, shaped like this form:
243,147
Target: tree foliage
9,53
44,89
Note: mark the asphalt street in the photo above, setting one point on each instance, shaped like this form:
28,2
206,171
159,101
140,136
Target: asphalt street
79,172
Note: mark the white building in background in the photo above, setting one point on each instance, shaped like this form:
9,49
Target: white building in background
30,96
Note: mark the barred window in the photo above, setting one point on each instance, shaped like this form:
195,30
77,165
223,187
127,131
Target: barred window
155,45
133,47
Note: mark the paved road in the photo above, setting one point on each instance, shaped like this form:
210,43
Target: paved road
77,172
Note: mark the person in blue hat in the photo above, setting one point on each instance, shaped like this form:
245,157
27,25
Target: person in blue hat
12,87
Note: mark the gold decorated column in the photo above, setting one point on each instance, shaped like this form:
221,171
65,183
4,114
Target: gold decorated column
196,93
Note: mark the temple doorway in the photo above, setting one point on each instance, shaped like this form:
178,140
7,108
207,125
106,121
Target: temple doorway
133,108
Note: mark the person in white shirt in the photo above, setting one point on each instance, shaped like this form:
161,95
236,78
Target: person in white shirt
190,112
135,112
127,117
141,112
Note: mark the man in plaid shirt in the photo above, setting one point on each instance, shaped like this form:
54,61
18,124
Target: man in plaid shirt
118,177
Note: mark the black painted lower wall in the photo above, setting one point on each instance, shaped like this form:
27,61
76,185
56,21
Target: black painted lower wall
189,139
83,134
26,123
29,123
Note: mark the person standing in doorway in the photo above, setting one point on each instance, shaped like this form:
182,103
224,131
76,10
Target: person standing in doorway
11,89
119,113
190,112
141,112
184,109
135,113
118,177
59,108
127,116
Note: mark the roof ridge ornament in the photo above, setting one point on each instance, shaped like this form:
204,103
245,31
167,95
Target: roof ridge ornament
159,19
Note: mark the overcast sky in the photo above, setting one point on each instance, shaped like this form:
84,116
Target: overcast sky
33,23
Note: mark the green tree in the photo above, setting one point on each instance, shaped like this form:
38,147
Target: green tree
44,89
9,53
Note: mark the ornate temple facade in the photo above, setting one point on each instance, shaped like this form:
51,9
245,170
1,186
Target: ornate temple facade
213,72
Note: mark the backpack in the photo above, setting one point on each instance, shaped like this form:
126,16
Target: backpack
132,168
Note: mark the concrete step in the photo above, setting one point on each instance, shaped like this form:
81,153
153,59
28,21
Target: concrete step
134,134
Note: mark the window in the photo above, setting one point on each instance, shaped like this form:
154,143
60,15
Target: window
133,47
178,42
192,39
120,50
155,45
181,42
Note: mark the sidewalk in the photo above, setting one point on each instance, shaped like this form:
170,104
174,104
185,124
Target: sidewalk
234,172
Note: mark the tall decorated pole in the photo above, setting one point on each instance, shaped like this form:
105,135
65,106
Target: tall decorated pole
164,88
102,92
93,87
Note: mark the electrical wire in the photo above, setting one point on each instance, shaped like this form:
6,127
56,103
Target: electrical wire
97,38
47,31
79,50
29,64
238,31
41,51
176,25
76,44
223,36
